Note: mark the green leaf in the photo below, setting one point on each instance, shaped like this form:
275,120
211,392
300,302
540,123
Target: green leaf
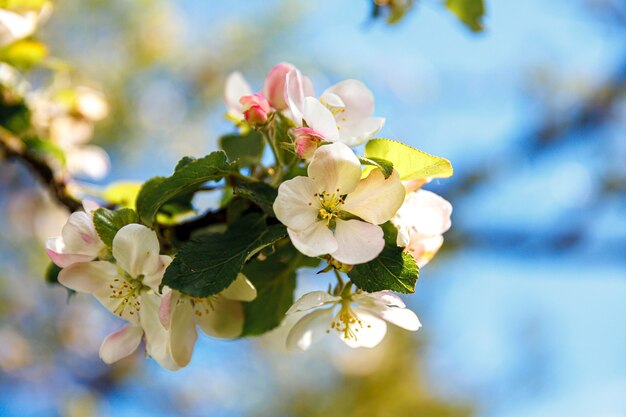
392,270
260,193
15,116
45,148
210,263
284,143
23,54
246,149
275,282
469,12
52,273
191,174
385,166
109,222
411,164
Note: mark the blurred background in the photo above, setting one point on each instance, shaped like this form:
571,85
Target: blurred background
521,309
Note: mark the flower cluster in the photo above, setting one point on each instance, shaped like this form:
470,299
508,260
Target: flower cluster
231,271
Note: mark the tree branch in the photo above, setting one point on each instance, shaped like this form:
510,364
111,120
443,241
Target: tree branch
13,148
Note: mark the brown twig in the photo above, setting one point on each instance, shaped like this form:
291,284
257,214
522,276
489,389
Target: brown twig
13,148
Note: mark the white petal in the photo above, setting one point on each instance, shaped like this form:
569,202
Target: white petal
380,297
240,290
120,344
357,98
14,26
297,205
91,161
315,241
55,248
424,212
68,131
423,248
357,242
335,169
236,87
295,94
332,100
376,199
136,250
157,336
224,321
183,334
311,300
371,332
320,119
355,132
309,329
88,277
80,237
154,279
401,317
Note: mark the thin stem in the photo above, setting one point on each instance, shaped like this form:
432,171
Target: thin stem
340,282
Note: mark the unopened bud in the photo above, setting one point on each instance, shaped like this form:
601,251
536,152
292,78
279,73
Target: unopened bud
255,109
274,88
306,141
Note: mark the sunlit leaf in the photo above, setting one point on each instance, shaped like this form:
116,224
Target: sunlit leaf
411,164
470,12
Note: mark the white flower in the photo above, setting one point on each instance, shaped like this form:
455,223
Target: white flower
333,211
421,222
14,27
361,325
343,112
78,242
218,316
129,289
235,88
69,124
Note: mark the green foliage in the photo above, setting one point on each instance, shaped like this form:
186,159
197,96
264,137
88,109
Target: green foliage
52,273
245,149
109,222
44,148
189,176
385,166
260,193
470,12
275,281
392,270
14,117
284,144
209,264
411,164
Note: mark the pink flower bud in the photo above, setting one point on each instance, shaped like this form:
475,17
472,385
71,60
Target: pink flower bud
274,88
255,109
306,141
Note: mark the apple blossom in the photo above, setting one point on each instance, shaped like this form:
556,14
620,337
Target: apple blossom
78,242
343,112
129,289
361,325
255,109
274,88
70,126
218,316
306,142
236,87
333,211
421,222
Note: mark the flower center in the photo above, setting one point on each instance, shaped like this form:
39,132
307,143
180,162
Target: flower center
331,206
203,305
127,291
335,110
347,323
